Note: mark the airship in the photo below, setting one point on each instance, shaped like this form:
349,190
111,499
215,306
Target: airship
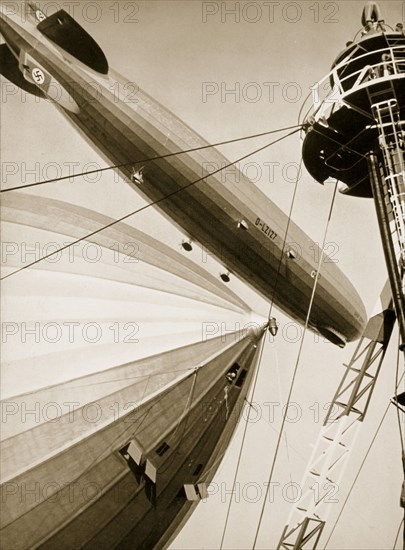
130,477
228,215
118,435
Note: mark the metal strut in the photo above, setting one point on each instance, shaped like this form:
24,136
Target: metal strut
337,436
392,144
393,257
388,185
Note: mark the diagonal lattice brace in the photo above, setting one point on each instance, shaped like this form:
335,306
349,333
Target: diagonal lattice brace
295,538
338,433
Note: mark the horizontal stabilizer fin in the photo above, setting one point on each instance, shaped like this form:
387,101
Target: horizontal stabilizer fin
10,70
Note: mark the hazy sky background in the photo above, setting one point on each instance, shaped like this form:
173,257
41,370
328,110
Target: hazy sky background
175,51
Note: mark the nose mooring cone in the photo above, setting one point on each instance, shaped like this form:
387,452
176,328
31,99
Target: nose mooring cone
273,326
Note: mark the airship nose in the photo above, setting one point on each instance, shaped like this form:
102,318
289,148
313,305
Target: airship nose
333,336
348,317
356,320
359,317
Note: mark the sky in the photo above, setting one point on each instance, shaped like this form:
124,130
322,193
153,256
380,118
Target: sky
231,69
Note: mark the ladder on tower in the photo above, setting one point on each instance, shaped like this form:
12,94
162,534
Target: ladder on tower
391,132
387,178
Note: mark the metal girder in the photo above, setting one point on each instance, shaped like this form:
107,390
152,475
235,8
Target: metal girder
309,530
356,387
337,436
387,180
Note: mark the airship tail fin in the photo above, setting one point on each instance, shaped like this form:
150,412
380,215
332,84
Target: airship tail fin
66,33
9,69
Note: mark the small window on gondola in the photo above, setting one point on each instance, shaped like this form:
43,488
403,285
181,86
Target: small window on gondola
163,447
232,372
124,452
136,468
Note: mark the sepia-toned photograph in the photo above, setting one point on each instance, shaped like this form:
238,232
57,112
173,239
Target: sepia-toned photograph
202,275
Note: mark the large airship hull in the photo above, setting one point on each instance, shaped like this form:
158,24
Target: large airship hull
226,213
112,440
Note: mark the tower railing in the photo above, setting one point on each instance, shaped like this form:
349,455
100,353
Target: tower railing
332,91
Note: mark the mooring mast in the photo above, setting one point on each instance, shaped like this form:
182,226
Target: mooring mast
356,134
